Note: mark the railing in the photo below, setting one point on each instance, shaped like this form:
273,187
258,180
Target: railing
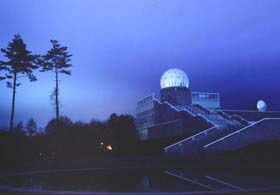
200,139
202,108
240,119
209,116
223,114
205,132
234,117
238,131
254,116
186,110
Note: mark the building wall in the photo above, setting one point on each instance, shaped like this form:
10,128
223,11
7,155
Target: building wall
145,116
170,122
207,100
166,129
155,120
180,97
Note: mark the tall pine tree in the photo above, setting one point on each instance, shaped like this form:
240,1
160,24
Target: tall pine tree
21,63
31,127
57,60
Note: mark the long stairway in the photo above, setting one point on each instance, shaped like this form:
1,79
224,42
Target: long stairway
218,118
223,125
263,130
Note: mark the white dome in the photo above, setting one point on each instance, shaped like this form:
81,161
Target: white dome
261,106
174,78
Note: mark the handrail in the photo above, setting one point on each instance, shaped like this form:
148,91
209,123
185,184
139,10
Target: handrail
173,107
167,103
232,116
164,123
240,118
238,131
254,111
209,121
202,132
152,94
186,110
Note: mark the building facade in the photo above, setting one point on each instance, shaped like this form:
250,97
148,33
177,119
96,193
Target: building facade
171,115
198,119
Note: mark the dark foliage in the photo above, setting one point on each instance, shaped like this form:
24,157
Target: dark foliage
53,128
69,140
79,140
19,129
31,127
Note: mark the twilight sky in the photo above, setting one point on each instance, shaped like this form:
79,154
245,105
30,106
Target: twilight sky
121,47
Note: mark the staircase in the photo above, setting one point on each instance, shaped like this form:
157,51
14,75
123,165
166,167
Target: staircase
263,130
223,125
217,118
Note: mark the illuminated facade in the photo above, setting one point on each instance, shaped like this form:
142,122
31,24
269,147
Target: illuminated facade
174,115
207,100
198,119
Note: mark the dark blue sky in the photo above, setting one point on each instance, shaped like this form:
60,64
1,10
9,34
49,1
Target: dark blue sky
121,48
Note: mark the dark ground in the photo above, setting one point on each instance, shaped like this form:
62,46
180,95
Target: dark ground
261,158
150,162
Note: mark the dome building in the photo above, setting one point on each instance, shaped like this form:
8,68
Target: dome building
175,90
198,120
261,106
174,78
172,115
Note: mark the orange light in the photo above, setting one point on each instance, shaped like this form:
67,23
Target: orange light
109,147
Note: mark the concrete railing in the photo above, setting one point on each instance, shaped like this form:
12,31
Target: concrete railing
264,129
189,139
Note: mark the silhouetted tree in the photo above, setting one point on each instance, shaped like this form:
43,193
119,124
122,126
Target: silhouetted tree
21,63
57,60
52,126
94,123
123,131
19,129
31,127
80,124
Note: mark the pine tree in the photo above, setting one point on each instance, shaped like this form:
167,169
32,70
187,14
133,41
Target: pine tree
21,63
31,127
19,130
58,61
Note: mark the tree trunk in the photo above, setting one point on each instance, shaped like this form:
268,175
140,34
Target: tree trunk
13,102
56,96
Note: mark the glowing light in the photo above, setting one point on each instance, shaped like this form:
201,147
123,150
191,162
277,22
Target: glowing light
261,106
174,78
109,147
102,143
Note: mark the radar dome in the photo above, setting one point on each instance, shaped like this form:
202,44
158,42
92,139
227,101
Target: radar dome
174,78
261,106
